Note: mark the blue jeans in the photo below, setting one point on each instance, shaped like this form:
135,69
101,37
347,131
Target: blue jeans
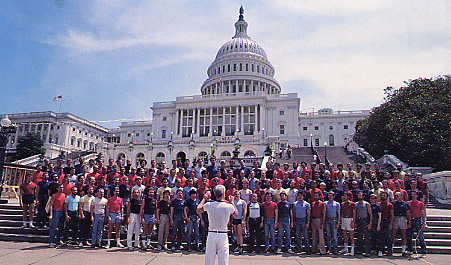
284,227
56,223
72,225
416,225
191,228
269,232
97,228
177,229
331,234
301,231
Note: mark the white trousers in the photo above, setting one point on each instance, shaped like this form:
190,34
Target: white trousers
133,227
217,243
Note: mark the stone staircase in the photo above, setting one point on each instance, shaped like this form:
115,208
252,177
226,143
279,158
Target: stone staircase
437,235
335,155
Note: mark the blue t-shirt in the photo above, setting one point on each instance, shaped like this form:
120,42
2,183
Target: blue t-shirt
284,210
332,208
400,208
178,206
192,206
72,203
301,208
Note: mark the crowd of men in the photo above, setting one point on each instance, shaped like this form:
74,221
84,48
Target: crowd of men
315,205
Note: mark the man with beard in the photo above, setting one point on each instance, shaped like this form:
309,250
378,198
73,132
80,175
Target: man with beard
84,211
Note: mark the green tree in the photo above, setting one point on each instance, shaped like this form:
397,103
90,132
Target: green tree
29,145
413,124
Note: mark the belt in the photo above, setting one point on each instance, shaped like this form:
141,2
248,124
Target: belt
254,219
316,217
347,217
218,232
362,218
332,218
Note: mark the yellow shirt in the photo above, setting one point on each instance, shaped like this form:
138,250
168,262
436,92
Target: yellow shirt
86,200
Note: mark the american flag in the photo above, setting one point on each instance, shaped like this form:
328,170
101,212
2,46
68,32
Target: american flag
58,98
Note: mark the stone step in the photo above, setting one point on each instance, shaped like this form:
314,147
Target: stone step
438,242
24,238
11,217
439,223
437,235
26,231
438,218
438,229
10,223
10,211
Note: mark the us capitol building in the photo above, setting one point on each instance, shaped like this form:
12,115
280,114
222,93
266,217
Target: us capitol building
241,108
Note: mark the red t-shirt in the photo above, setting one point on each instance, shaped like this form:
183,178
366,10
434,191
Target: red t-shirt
391,184
183,180
228,183
386,208
201,192
404,194
260,194
28,188
347,209
416,208
60,178
58,201
279,174
37,177
298,181
230,192
270,209
111,176
318,207
213,183
115,204
67,188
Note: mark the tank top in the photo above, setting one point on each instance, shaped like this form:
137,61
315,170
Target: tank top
239,207
149,205
135,206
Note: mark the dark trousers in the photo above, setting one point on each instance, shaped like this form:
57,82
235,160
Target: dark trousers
362,235
177,230
85,227
71,226
385,236
204,232
255,233
42,216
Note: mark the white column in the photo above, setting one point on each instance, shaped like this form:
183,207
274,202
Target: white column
48,133
242,119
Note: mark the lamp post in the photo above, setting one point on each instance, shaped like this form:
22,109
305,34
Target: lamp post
311,140
237,144
6,130
325,154
170,146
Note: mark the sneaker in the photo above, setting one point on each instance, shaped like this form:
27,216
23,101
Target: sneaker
31,225
51,245
23,226
366,254
107,246
290,251
278,251
409,253
352,252
344,251
236,249
173,249
423,256
87,243
240,251
380,254
119,245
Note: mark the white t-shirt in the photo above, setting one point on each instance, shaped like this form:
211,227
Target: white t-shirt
99,205
218,215
291,195
246,195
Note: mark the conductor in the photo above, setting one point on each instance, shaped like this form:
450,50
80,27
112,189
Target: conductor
218,215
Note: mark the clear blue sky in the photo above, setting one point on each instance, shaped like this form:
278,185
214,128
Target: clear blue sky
112,59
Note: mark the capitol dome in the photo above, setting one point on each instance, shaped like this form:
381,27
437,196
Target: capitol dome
240,66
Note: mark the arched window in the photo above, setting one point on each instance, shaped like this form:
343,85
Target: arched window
203,155
139,157
226,154
249,153
121,156
160,157
331,140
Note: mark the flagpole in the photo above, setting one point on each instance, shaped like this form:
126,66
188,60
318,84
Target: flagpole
61,101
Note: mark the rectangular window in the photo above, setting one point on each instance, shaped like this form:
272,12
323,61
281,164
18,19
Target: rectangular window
228,68
316,128
316,142
165,118
187,122
230,121
305,142
241,67
247,67
304,128
281,113
129,135
163,134
346,127
249,120
282,129
234,67
204,122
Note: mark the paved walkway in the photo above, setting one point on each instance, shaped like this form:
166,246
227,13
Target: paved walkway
36,253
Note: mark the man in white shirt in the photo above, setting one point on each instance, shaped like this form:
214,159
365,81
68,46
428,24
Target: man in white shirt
218,215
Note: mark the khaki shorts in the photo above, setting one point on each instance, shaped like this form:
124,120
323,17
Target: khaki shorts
400,222
346,224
